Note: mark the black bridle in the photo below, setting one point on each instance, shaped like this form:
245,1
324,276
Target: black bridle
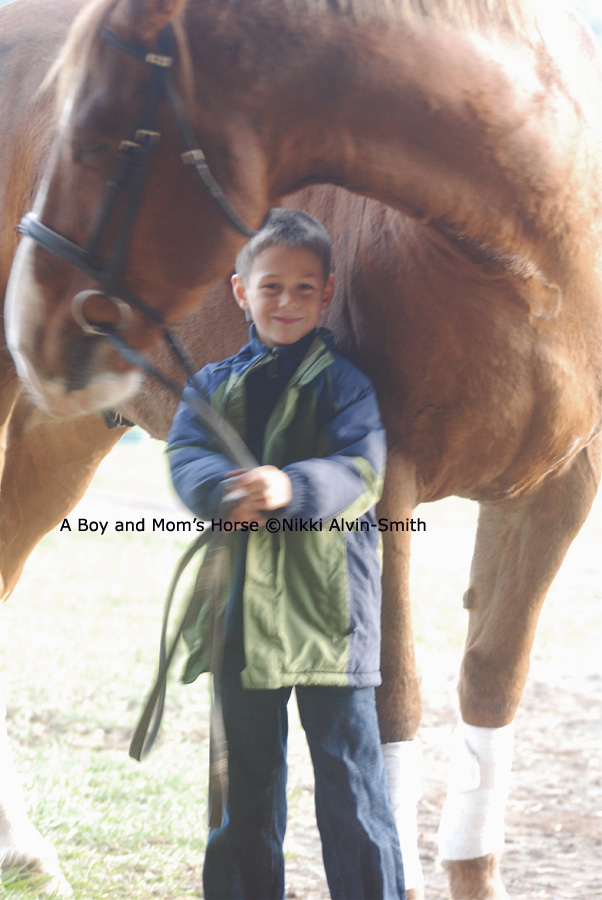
127,181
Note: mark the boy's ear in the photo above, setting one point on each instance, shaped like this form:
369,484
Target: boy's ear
328,292
240,294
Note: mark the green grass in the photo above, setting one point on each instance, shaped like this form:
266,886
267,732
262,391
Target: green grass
79,647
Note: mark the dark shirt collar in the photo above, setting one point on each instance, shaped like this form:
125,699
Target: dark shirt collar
284,352
265,384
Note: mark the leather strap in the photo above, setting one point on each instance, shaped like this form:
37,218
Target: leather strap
214,571
209,585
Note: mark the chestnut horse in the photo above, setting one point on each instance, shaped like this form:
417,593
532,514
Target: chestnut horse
471,299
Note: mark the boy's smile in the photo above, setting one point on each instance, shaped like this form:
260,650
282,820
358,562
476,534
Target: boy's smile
285,293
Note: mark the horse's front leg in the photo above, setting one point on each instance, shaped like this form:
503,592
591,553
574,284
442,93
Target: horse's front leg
23,850
47,467
519,548
399,699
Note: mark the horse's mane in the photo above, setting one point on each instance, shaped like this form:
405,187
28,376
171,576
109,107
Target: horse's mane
516,16
80,41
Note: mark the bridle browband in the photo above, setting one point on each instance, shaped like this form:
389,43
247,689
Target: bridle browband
128,179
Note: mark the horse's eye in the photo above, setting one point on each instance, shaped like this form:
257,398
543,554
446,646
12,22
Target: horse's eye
81,154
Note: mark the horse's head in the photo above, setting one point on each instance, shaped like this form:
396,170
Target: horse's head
277,95
124,234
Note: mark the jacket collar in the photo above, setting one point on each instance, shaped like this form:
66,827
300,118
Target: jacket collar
285,350
300,347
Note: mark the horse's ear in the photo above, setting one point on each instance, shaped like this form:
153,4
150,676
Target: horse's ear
144,19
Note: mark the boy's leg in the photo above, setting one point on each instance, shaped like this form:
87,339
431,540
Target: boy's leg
360,844
244,858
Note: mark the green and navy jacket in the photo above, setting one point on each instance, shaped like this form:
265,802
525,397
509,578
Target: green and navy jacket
311,588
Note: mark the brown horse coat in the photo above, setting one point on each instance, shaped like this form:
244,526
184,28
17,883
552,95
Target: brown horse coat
473,303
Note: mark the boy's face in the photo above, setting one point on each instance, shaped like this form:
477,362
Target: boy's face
285,293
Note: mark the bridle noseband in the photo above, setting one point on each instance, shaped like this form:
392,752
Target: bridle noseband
127,180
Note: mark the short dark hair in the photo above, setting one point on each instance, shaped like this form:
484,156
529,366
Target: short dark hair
288,228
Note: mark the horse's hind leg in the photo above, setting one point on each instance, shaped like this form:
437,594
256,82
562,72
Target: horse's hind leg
47,467
519,548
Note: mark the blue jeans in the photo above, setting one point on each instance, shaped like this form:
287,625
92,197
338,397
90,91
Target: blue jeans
360,845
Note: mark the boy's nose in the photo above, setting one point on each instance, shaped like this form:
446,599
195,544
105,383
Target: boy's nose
288,298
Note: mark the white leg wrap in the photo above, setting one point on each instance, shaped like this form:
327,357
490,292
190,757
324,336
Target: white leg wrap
403,765
472,821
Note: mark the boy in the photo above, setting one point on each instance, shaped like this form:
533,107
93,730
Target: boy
304,596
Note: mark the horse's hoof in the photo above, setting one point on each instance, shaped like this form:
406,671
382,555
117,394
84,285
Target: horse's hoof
475,879
56,887
415,894
34,868
33,883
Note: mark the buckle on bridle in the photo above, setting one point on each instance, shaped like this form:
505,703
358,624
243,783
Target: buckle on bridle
194,157
155,59
143,136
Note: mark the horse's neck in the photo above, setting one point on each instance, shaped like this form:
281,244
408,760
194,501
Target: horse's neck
409,121
443,126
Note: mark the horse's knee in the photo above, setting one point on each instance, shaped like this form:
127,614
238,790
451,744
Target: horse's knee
399,706
490,689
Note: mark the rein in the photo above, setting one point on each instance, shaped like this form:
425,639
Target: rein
205,591
128,179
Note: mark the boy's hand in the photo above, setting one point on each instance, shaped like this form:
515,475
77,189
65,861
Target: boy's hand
265,488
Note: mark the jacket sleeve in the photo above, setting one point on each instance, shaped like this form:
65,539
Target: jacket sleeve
348,482
198,470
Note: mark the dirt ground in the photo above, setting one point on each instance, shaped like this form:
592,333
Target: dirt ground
554,815
553,822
